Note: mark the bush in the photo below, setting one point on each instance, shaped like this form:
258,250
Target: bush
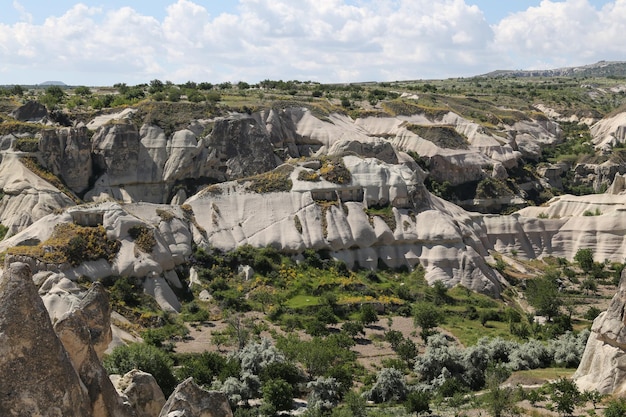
203,367
278,394
418,402
143,237
390,386
368,314
146,358
324,393
615,408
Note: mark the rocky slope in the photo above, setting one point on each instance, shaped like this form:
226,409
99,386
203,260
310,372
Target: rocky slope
603,364
297,206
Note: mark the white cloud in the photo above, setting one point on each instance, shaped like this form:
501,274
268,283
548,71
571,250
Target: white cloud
325,40
563,33
24,15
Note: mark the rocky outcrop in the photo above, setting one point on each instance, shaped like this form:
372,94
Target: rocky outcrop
243,146
38,378
172,246
86,333
609,132
141,391
32,111
189,400
27,197
67,154
419,229
603,365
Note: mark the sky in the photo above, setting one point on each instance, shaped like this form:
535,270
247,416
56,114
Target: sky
98,42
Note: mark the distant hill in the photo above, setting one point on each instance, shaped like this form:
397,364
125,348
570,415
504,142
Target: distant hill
47,83
599,69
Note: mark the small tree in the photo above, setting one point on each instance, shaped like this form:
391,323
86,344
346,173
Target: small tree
390,386
498,399
426,316
368,314
278,394
543,295
616,408
584,257
418,402
564,393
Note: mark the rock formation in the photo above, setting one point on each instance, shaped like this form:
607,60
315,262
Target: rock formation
141,391
38,378
189,400
603,365
85,333
32,111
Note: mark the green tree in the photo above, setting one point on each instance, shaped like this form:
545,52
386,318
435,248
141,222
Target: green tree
426,316
564,393
418,402
53,96
278,394
368,314
498,399
82,91
17,90
144,357
543,295
615,408
584,257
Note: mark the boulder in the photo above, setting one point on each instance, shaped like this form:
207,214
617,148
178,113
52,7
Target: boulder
32,111
603,365
142,392
189,400
38,378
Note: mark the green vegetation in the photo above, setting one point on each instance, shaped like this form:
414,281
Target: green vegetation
72,244
442,136
143,237
386,213
333,170
27,144
270,182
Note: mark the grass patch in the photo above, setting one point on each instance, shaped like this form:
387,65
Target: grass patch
385,213
442,136
72,244
303,301
334,170
143,237
274,181
27,144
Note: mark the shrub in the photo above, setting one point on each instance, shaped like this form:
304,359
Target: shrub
144,357
390,386
324,393
418,402
277,180
203,367
278,394
615,408
73,244
367,314
333,170
143,237
27,144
